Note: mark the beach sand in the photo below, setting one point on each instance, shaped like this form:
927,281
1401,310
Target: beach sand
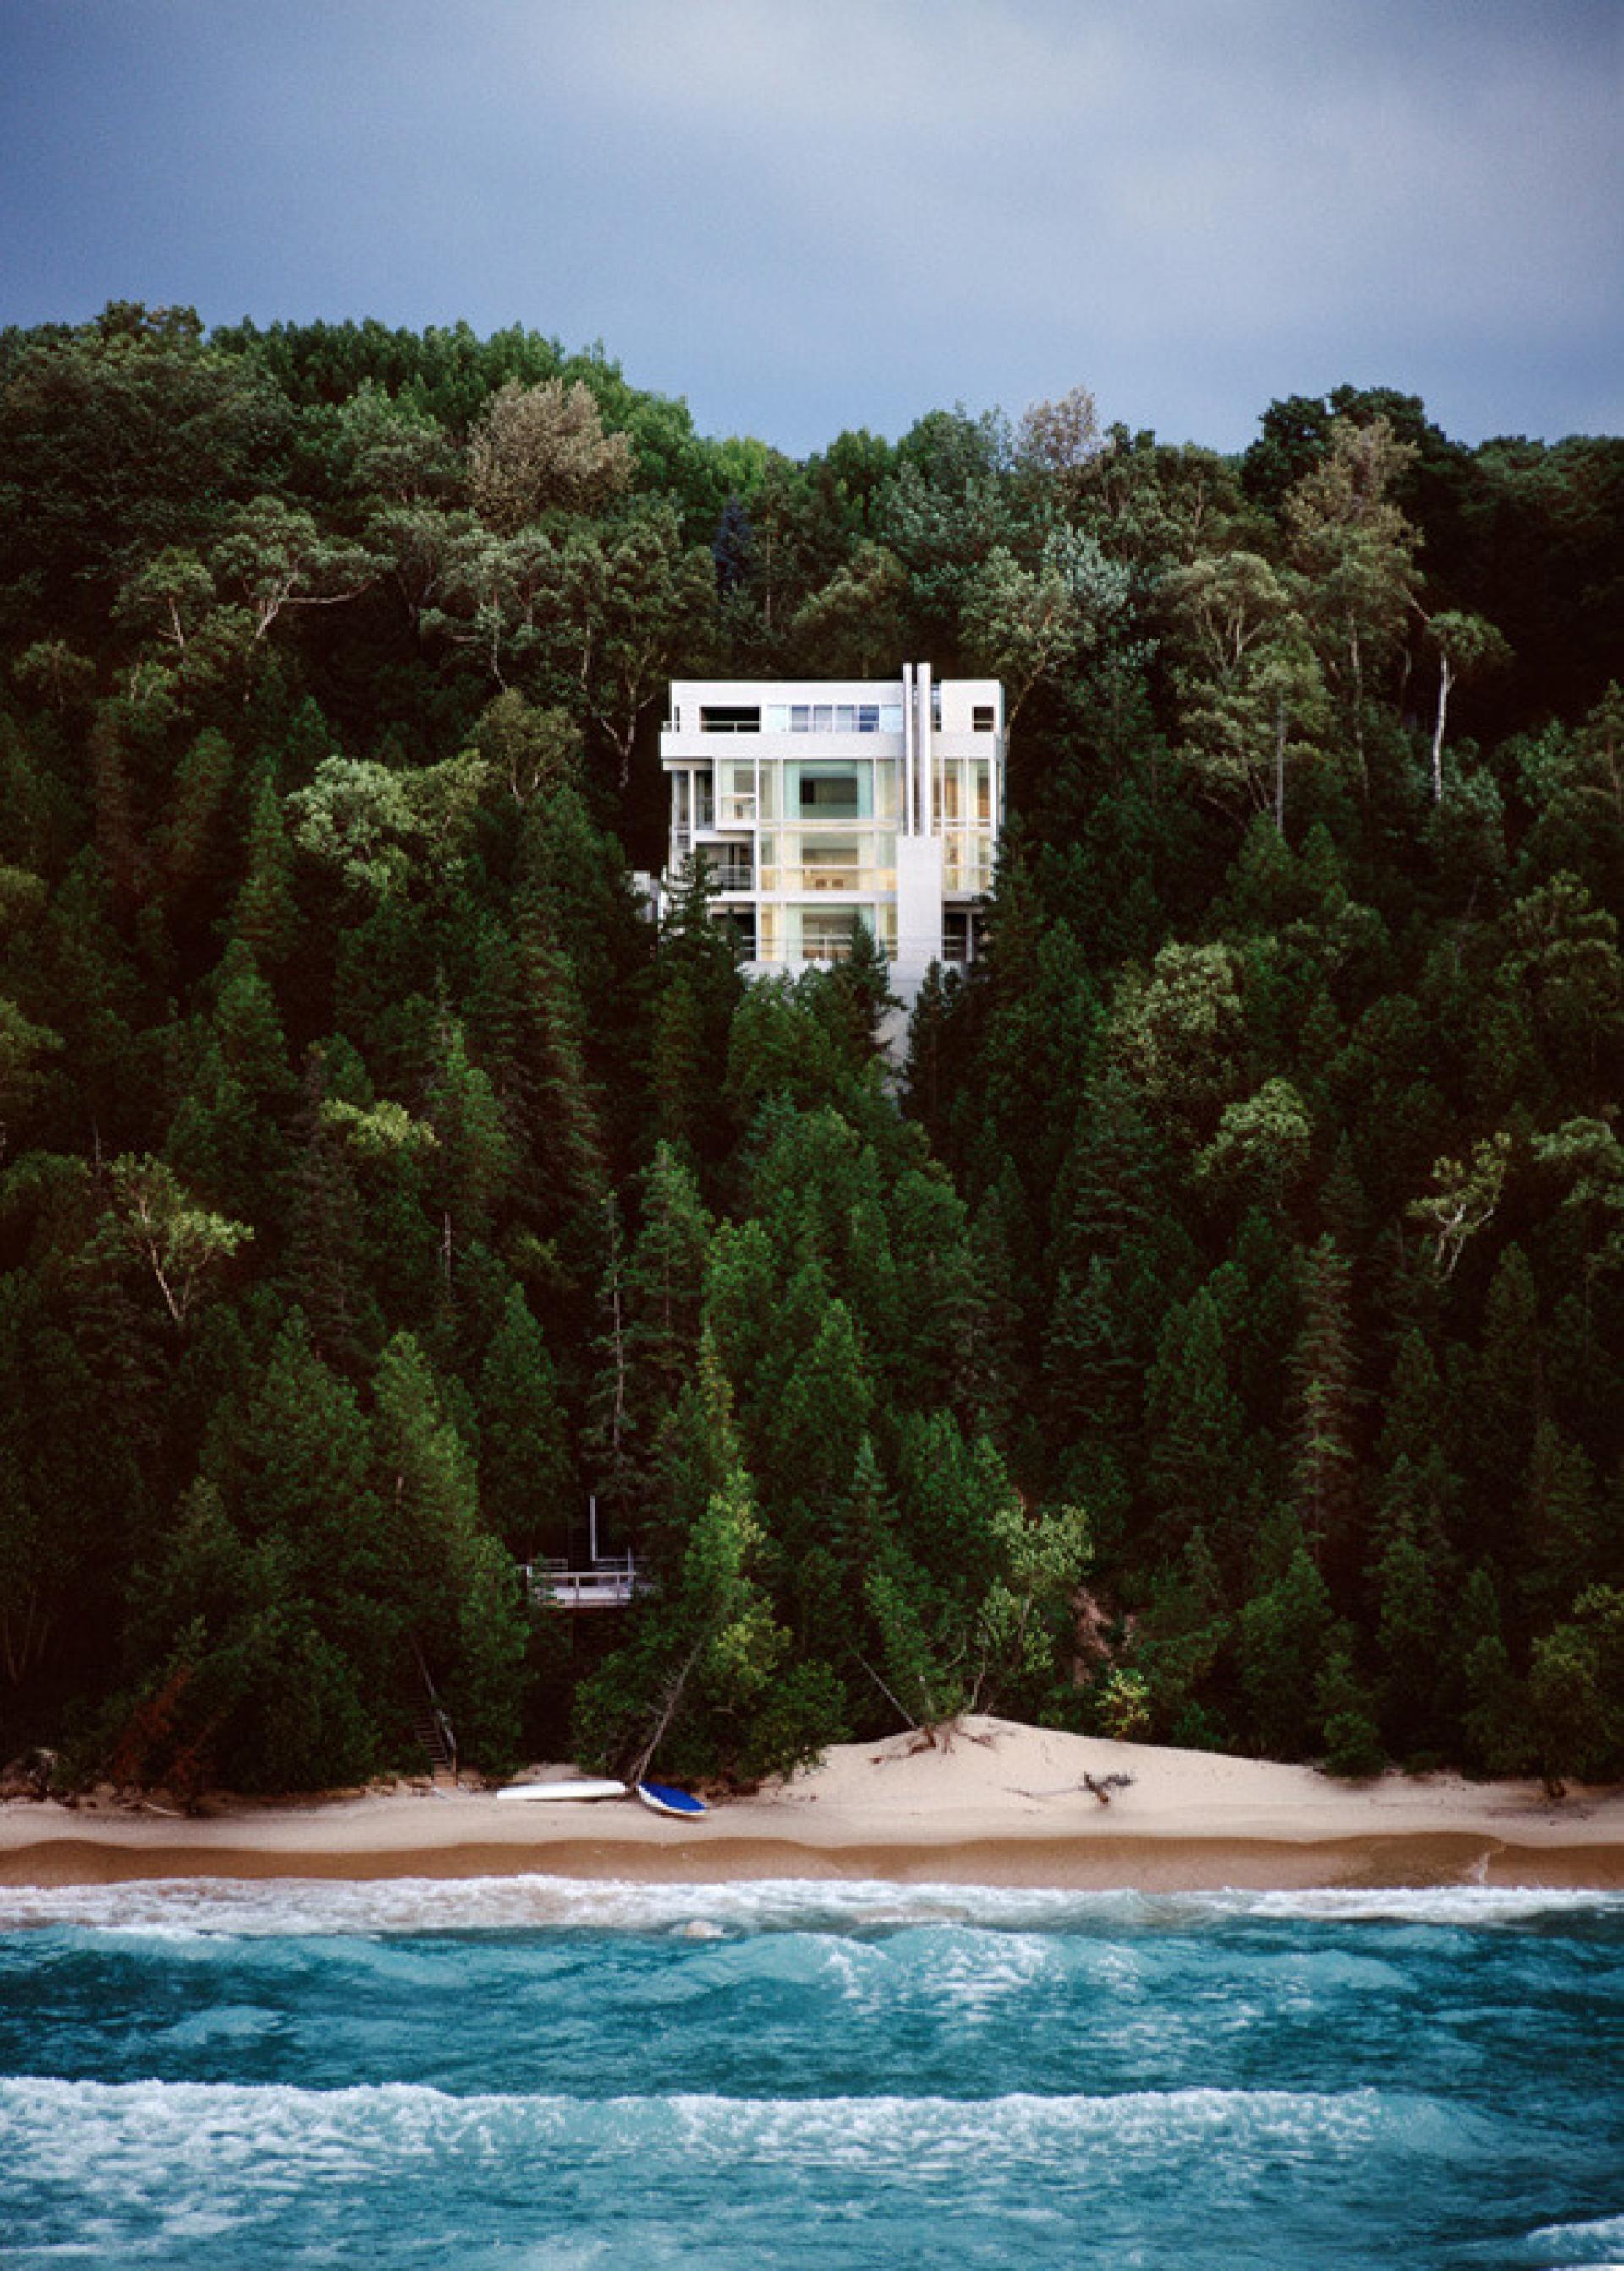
993,1803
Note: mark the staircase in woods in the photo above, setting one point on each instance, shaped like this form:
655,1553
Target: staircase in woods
434,1729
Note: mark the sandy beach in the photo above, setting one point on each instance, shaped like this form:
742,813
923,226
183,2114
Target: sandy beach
994,1803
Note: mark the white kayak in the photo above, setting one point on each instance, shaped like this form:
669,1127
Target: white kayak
541,1791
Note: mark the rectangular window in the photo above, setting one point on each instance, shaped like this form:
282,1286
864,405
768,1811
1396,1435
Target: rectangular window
775,717
729,720
890,717
981,718
829,796
826,934
829,863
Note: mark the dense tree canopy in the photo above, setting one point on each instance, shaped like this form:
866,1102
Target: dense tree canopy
1214,1331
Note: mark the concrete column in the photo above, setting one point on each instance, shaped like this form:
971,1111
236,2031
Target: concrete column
908,748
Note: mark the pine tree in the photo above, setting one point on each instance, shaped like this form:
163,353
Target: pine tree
1410,1631
1491,1701
265,916
995,1369
808,1423
1195,1428
1325,1470
665,1275
1285,1635
485,1690
1560,1551
1498,1404
927,1076
473,1162
425,1479
323,1264
527,1486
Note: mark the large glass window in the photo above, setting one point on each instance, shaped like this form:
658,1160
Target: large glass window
831,863
830,792
825,933
829,796
722,720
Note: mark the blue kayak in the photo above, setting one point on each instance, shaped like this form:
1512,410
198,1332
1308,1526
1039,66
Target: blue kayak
664,1800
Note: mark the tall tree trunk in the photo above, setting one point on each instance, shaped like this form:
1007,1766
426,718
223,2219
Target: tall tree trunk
1446,680
1356,656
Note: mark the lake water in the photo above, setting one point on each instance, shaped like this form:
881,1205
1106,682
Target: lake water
521,2072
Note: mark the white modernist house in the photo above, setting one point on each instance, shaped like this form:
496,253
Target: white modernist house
818,806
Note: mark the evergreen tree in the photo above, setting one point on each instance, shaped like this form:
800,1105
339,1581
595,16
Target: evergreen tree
1194,1426
527,1486
1285,1638
1325,1475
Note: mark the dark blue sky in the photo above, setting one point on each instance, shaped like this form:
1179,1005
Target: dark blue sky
807,214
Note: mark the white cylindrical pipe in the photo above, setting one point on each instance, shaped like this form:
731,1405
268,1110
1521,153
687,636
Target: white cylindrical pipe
928,792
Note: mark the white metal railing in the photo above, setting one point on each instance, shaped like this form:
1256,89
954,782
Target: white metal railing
607,1584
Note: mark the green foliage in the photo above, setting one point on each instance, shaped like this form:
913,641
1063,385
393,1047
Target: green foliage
375,1184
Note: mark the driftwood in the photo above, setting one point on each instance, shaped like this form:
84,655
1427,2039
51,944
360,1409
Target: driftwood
1100,1786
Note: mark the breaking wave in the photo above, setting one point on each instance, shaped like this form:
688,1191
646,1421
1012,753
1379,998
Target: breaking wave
291,1907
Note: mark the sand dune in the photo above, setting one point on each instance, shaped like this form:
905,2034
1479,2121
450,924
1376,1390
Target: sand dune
993,1803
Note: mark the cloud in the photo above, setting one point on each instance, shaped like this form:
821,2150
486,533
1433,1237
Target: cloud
805,216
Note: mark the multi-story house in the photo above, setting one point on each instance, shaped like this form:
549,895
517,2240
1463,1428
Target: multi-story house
818,806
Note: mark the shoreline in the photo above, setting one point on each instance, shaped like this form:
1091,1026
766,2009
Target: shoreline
1108,1864
994,1804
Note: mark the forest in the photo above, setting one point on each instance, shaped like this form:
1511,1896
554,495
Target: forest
1212,1334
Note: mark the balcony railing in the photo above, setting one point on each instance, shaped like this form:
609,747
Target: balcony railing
608,1584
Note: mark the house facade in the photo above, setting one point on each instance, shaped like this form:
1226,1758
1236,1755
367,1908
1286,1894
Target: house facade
817,805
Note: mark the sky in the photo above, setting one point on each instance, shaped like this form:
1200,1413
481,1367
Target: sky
806,215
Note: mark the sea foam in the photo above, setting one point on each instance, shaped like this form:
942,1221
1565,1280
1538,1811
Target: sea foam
293,1906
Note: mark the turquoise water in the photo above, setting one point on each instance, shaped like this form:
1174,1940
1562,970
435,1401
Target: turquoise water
523,2072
